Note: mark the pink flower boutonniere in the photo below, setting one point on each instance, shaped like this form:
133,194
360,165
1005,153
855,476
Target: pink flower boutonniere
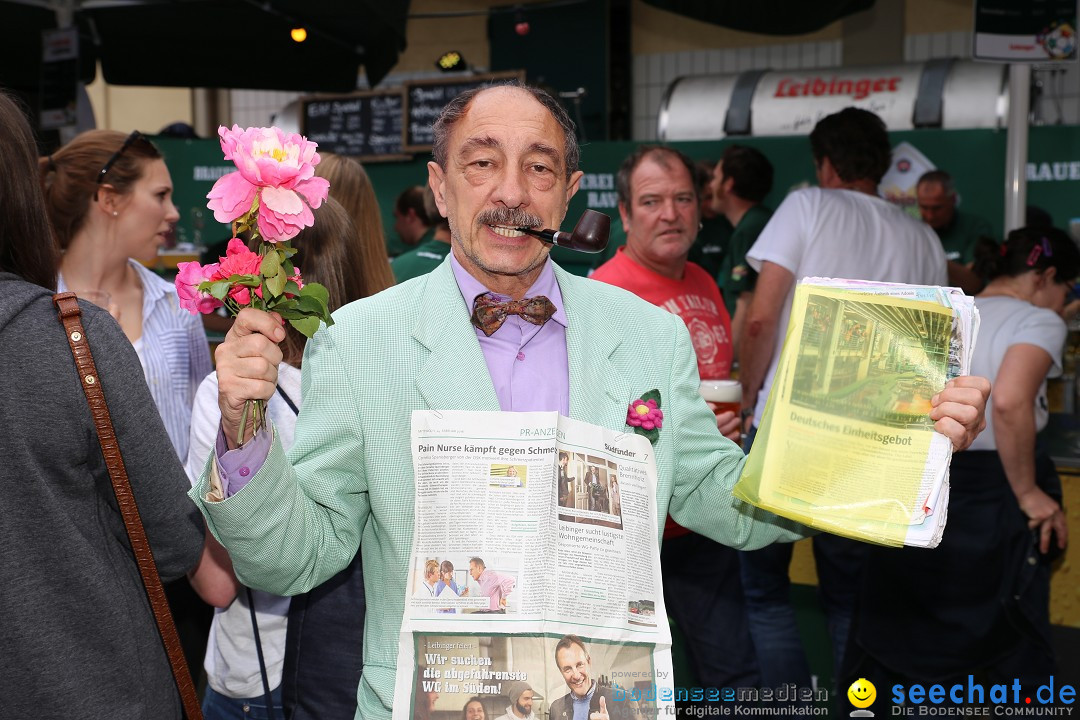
645,415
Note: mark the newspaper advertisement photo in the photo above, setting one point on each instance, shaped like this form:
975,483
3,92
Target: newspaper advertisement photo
505,566
537,673
846,444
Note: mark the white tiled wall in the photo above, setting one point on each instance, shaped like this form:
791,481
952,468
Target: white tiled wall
253,108
652,74
1057,93
1056,89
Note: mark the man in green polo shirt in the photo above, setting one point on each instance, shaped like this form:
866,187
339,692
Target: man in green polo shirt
431,251
711,246
741,180
411,224
958,231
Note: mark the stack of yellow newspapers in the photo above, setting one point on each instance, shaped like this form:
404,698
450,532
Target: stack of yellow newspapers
846,444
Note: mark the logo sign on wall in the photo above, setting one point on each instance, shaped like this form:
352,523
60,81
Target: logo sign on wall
791,103
1010,31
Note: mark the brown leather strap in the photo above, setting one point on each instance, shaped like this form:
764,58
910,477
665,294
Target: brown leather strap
69,315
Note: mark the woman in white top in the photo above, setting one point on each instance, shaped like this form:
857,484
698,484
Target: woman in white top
979,603
109,199
232,665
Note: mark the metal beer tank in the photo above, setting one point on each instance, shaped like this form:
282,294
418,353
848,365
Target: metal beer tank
942,93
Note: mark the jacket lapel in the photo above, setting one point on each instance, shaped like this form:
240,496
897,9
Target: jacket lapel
455,374
599,391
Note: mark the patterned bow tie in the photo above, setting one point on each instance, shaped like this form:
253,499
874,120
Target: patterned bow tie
489,314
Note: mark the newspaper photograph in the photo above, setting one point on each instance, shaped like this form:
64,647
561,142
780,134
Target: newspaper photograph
846,444
534,559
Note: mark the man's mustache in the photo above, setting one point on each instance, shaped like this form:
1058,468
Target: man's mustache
509,217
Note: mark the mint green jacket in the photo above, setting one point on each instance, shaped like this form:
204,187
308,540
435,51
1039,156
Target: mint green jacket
348,480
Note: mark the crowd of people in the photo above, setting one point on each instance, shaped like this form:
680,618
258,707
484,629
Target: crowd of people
312,518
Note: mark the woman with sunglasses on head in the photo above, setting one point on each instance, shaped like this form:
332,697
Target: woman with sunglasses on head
109,199
77,635
979,602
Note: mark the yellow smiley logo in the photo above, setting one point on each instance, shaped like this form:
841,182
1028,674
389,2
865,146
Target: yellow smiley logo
862,693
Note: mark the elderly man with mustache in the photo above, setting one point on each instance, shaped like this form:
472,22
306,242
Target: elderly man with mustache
504,157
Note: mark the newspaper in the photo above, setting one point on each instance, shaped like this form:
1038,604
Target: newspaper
846,444
540,527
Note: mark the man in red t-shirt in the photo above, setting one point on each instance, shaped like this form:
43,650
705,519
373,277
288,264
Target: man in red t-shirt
659,205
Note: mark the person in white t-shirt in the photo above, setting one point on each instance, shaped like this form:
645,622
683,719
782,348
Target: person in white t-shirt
841,229
233,670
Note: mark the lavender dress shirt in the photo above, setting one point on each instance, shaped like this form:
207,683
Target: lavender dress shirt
527,364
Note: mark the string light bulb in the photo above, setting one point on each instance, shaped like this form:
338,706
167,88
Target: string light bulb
298,34
450,61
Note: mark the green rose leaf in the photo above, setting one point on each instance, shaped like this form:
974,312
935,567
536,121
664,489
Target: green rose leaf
276,284
652,395
310,305
306,325
220,289
271,264
318,291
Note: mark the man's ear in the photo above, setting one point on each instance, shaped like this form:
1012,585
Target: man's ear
574,185
827,176
437,183
624,213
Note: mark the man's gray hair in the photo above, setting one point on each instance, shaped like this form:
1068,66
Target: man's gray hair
939,177
457,108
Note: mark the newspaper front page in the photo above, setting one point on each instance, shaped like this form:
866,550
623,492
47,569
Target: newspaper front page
846,444
532,527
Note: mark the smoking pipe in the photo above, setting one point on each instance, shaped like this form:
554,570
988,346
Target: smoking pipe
590,234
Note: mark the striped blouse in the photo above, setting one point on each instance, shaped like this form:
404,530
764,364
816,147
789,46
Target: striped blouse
174,353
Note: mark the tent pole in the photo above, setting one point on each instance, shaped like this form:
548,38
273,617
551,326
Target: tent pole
1016,149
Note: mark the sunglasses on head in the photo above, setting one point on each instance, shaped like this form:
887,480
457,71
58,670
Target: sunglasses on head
133,137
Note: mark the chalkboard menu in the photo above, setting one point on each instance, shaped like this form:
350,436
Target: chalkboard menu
425,99
364,125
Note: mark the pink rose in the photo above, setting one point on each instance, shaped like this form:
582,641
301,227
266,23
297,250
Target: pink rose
274,169
238,260
190,275
241,294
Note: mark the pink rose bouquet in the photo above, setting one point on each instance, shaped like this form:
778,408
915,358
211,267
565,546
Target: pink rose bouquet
269,198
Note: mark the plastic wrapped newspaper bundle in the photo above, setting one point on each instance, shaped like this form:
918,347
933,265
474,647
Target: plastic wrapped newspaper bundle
846,444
